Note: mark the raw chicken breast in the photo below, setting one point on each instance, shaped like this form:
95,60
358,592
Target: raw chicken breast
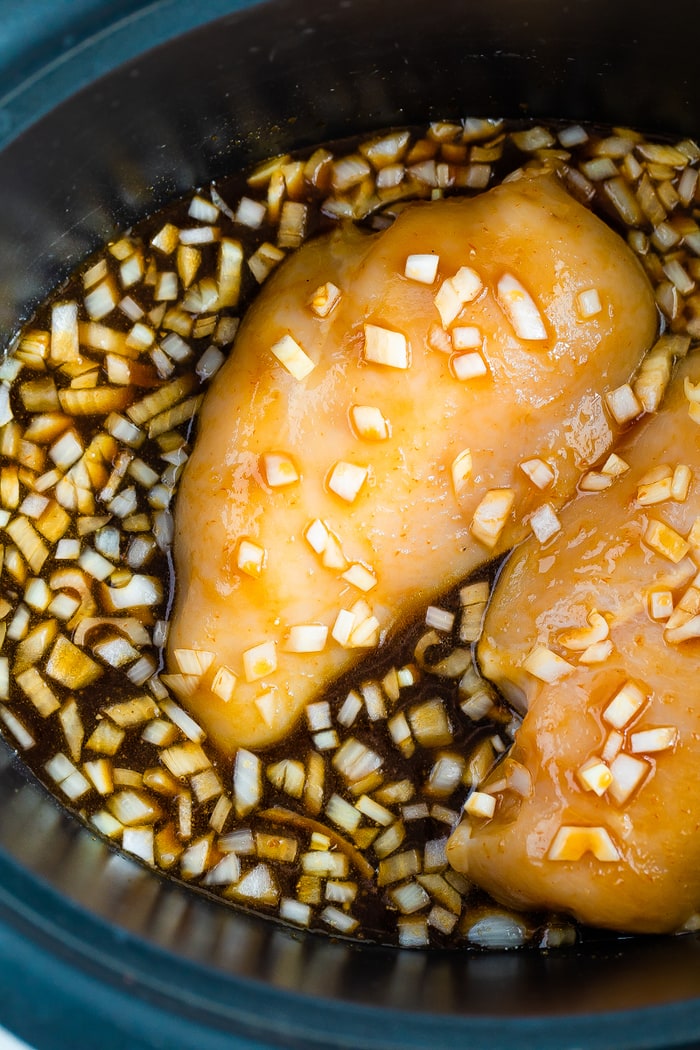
597,634
362,448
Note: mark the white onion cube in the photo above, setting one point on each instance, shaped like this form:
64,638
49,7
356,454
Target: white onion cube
383,346
422,268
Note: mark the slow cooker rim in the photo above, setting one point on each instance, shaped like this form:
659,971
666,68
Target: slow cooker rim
257,1014
657,1018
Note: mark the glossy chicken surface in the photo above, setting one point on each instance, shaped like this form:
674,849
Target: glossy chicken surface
362,447
605,826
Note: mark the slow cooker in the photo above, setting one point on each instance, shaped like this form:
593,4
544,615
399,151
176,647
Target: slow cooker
110,110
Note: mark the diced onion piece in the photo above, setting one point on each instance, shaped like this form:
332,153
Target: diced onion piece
588,303
579,638
369,423
6,414
138,591
306,638
480,804
193,661
65,775
546,665
430,724
316,536
247,782
533,139
439,339
455,292
95,565
365,633
654,491
468,366
665,541
346,480
263,261
355,761
440,619
348,171
210,362
466,337
4,678
625,705
622,198
545,523
680,482
251,558
597,653
374,701
295,911
139,842
594,775
491,516
101,300
627,775
648,741
66,450
223,683
360,576
250,213
350,709
660,604
595,481
291,355
343,627
570,844
65,344
134,808
623,404
692,391
325,299
166,239
383,346
24,738
413,931
228,274
325,864
257,885
260,660
614,466
540,473
682,632
612,746
520,309
409,897
279,469
461,469
70,666
574,135
422,268
343,814
199,235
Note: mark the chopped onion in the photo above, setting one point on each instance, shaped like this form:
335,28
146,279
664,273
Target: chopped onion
386,347
628,773
346,480
422,268
520,309
546,665
623,707
498,930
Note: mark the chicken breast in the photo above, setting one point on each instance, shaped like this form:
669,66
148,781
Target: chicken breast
375,433
597,635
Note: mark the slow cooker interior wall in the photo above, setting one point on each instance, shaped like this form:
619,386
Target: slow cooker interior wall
265,79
